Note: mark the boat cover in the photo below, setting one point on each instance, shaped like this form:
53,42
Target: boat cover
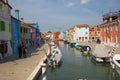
100,51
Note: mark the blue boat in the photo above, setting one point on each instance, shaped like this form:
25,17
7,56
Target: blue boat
78,46
86,50
72,44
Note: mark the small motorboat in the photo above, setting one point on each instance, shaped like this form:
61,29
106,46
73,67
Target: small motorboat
55,56
86,50
100,53
116,62
72,44
78,46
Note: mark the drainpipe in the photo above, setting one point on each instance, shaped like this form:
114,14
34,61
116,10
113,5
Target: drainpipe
119,30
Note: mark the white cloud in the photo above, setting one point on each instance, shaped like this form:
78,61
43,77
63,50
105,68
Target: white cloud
84,1
70,4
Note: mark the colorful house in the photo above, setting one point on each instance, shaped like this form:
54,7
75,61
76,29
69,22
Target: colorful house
94,33
56,35
37,30
25,34
15,30
5,27
81,32
32,34
110,28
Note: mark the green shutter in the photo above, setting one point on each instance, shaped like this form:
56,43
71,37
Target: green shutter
0,5
2,25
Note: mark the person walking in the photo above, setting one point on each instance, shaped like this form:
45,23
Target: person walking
25,52
20,51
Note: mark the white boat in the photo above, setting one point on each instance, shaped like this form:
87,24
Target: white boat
100,53
55,56
116,62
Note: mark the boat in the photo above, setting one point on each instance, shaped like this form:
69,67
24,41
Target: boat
55,56
72,44
78,46
116,62
100,53
85,50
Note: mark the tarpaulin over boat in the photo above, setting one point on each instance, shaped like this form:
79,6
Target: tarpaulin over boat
100,51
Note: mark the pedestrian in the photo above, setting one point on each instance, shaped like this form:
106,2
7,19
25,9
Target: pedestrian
20,51
25,52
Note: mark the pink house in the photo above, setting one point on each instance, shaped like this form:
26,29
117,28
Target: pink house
33,34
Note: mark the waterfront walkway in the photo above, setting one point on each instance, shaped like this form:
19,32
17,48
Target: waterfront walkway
21,69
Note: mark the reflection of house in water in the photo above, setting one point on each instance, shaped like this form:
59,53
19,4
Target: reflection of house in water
110,28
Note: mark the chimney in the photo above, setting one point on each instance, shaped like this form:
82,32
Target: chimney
22,20
17,13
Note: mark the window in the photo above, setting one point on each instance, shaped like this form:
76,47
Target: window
0,5
95,32
90,33
2,25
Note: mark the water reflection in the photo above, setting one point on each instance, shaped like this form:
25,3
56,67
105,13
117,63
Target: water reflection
75,66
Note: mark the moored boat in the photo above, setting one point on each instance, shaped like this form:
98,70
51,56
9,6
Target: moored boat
100,53
78,46
72,44
116,62
55,56
86,50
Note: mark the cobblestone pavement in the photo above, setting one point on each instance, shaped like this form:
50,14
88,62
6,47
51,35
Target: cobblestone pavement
13,68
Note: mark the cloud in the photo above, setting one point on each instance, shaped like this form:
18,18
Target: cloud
70,4
84,1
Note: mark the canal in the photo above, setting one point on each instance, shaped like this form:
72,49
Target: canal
75,66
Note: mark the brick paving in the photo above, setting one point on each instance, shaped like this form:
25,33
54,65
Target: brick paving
13,68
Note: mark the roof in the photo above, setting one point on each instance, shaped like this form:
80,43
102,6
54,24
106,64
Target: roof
27,25
81,25
6,3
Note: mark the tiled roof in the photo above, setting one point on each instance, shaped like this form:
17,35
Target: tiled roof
81,25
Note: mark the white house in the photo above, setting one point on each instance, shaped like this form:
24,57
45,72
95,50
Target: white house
5,27
81,32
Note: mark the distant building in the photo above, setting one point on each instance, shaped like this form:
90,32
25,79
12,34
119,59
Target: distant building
94,33
81,32
5,27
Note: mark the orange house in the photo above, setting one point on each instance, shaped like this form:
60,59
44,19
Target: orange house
94,33
109,32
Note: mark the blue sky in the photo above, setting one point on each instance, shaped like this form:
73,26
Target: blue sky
59,15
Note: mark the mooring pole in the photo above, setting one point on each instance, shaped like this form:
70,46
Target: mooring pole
44,71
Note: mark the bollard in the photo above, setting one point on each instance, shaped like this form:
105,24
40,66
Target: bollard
43,71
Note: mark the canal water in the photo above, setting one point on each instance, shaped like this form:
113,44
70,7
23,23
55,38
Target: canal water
75,66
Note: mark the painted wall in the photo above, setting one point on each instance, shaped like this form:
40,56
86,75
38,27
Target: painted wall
5,17
15,28
81,34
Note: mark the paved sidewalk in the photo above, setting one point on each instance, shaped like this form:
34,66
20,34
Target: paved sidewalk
13,68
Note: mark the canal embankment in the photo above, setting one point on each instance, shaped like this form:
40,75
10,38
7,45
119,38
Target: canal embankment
25,68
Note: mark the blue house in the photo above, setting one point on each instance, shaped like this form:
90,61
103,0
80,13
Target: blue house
15,31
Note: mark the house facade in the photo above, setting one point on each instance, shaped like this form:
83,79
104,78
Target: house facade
15,30
81,32
94,33
5,27
110,28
